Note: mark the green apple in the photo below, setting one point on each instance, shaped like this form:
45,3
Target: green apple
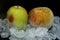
17,16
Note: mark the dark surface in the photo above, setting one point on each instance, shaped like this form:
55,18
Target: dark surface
4,38
54,5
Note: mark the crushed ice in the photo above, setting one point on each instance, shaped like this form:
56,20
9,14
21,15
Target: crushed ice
30,33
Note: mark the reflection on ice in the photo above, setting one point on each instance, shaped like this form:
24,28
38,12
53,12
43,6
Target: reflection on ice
30,33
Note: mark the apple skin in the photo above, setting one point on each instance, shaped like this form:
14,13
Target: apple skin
17,16
41,17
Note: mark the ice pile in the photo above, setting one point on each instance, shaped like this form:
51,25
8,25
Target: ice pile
39,33
31,33
56,27
28,34
4,28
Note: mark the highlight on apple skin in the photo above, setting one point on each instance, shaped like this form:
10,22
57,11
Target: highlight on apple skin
17,16
41,17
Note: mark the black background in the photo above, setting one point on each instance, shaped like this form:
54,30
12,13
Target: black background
54,5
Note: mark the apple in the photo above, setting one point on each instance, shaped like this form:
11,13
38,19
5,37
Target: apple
17,16
41,17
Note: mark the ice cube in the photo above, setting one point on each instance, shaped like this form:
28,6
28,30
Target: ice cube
55,28
45,38
12,38
33,32
38,38
12,32
40,31
0,20
17,33
1,29
28,26
30,33
5,20
28,38
58,34
56,20
20,34
53,36
0,24
4,34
